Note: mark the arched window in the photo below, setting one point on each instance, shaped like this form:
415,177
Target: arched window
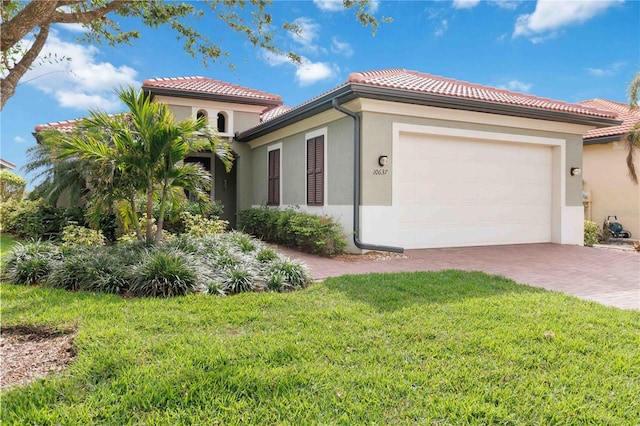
201,114
222,123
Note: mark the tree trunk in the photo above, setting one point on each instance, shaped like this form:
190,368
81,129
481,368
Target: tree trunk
149,234
9,83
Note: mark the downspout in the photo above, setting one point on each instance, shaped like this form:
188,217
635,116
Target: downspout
356,184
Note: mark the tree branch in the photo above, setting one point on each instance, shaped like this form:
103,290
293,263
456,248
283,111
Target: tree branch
88,16
34,14
9,83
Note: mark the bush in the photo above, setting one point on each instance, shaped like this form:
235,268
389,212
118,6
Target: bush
80,235
286,274
302,231
227,263
200,226
35,220
30,264
163,274
590,233
11,186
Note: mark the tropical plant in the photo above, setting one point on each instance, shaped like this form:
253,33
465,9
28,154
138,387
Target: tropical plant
137,153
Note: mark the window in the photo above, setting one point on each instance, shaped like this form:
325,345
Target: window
201,114
315,171
273,198
222,123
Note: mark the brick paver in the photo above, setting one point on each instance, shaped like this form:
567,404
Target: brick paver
609,277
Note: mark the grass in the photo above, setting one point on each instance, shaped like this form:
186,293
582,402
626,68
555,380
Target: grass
6,243
422,348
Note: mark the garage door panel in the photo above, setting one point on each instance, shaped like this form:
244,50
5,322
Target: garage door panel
450,216
471,192
455,192
430,237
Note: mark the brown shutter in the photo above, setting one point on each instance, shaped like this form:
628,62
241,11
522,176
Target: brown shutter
319,172
315,171
273,197
311,165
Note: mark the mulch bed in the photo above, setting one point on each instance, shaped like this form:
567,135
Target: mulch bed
29,353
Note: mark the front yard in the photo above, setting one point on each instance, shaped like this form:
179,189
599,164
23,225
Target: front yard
425,348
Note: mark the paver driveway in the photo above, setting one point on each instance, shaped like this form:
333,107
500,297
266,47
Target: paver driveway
609,277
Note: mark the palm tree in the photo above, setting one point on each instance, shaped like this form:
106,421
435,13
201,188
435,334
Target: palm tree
633,137
140,152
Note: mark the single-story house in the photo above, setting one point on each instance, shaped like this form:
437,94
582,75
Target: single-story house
400,158
608,190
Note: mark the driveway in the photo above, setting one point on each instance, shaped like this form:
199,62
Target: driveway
606,276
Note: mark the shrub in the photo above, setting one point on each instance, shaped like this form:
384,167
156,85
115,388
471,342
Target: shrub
200,226
35,220
218,264
266,255
31,264
294,274
80,235
238,280
302,231
11,186
590,233
163,274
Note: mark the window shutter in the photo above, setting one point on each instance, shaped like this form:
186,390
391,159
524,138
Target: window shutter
274,178
319,171
315,171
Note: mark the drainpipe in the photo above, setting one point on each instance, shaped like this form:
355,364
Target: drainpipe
356,184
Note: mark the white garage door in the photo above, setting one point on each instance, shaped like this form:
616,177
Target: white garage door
454,192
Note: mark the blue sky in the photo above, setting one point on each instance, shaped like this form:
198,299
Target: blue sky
566,50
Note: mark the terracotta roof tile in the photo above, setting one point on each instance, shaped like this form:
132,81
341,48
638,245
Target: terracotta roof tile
209,86
272,113
63,126
621,111
425,83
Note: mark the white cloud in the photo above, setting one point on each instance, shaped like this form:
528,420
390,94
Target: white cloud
307,72
517,86
311,72
329,5
338,5
465,4
444,24
551,16
307,35
506,4
341,47
606,72
74,28
19,139
83,82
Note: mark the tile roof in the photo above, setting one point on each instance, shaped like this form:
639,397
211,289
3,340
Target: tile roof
622,112
209,86
272,113
415,81
63,126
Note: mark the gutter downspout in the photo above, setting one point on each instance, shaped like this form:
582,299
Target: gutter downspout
356,184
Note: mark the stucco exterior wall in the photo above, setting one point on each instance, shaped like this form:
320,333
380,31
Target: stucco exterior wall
338,171
611,190
245,120
180,112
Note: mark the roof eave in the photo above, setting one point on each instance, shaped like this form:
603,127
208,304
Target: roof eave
356,90
602,139
155,91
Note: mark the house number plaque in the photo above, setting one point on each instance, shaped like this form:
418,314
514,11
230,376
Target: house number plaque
380,172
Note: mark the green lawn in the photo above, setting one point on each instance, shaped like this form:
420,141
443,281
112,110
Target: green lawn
6,242
425,348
